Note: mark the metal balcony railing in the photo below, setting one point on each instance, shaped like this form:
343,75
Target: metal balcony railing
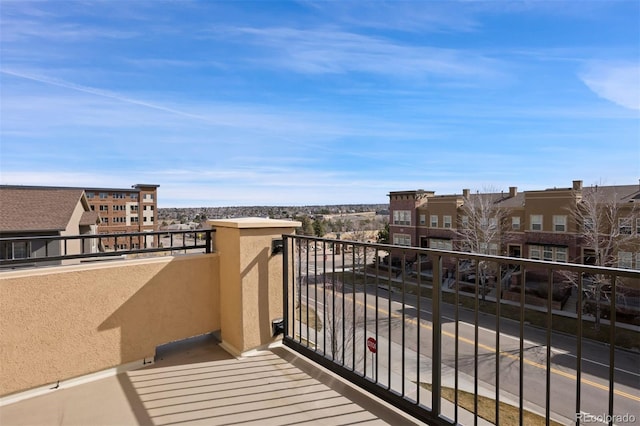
51,249
452,337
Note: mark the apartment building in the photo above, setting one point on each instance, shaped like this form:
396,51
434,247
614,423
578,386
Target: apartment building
126,210
572,224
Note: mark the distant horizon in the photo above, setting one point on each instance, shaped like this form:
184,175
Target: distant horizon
318,103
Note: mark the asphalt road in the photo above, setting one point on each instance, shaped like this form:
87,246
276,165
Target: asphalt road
408,322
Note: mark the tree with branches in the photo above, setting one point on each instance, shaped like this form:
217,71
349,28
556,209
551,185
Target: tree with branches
605,224
483,228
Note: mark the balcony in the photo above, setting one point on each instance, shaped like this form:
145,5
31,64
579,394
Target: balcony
190,338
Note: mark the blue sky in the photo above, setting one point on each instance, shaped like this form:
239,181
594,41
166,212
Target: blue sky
297,103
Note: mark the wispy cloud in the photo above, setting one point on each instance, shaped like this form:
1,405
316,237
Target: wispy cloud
332,51
616,83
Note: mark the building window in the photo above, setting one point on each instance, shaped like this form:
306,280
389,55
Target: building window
624,225
93,208
446,221
402,217
465,222
134,208
559,223
440,244
587,224
104,208
119,195
549,253
119,208
15,250
105,220
638,226
90,195
515,223
402,239
103,195
423,219
493,223
134,195
638,260
625,260
134,219
119,220
536,222
148,197
561,254
534,252
434,220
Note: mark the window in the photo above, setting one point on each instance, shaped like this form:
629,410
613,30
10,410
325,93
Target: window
625,259
515,223
134,208
423,219
465,221
93,208
440,244
624,225
134,196
134,219
103,195
588,224
549,253
119,208
434,220
90,195
534,252
638,226
104,208
402,217
446,221
402,239
559,223
148,197
493,223
118,195
105,220
638,260
119,220
15,250
561,254
536,222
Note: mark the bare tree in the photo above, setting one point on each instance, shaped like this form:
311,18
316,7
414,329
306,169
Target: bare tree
605,224
343,322
483,228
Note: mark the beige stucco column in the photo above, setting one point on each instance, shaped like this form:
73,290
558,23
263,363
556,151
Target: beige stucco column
250,280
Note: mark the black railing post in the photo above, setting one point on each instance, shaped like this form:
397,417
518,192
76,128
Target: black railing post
209,241
285,282
436,346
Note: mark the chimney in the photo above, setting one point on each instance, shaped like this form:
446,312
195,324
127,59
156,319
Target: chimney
465,193
577,185
513,191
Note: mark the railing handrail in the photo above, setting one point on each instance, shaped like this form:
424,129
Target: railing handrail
334,302
125,236
573,267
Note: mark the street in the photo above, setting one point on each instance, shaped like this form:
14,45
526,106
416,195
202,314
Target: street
390,323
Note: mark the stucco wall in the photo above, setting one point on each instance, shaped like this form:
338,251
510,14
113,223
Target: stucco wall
69,321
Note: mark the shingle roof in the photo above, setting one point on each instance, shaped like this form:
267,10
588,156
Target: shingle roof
89,218
36,208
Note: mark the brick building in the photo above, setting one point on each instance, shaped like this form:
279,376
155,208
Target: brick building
547,224
126,210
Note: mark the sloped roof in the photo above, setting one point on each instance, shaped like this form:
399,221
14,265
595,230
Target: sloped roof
89,218
619,193
37,208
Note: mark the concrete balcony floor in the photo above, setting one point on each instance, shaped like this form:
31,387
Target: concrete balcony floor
197,382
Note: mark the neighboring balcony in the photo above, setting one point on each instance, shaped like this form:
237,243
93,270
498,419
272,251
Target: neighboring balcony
192,337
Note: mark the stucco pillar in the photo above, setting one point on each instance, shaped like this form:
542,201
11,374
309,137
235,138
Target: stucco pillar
250,280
